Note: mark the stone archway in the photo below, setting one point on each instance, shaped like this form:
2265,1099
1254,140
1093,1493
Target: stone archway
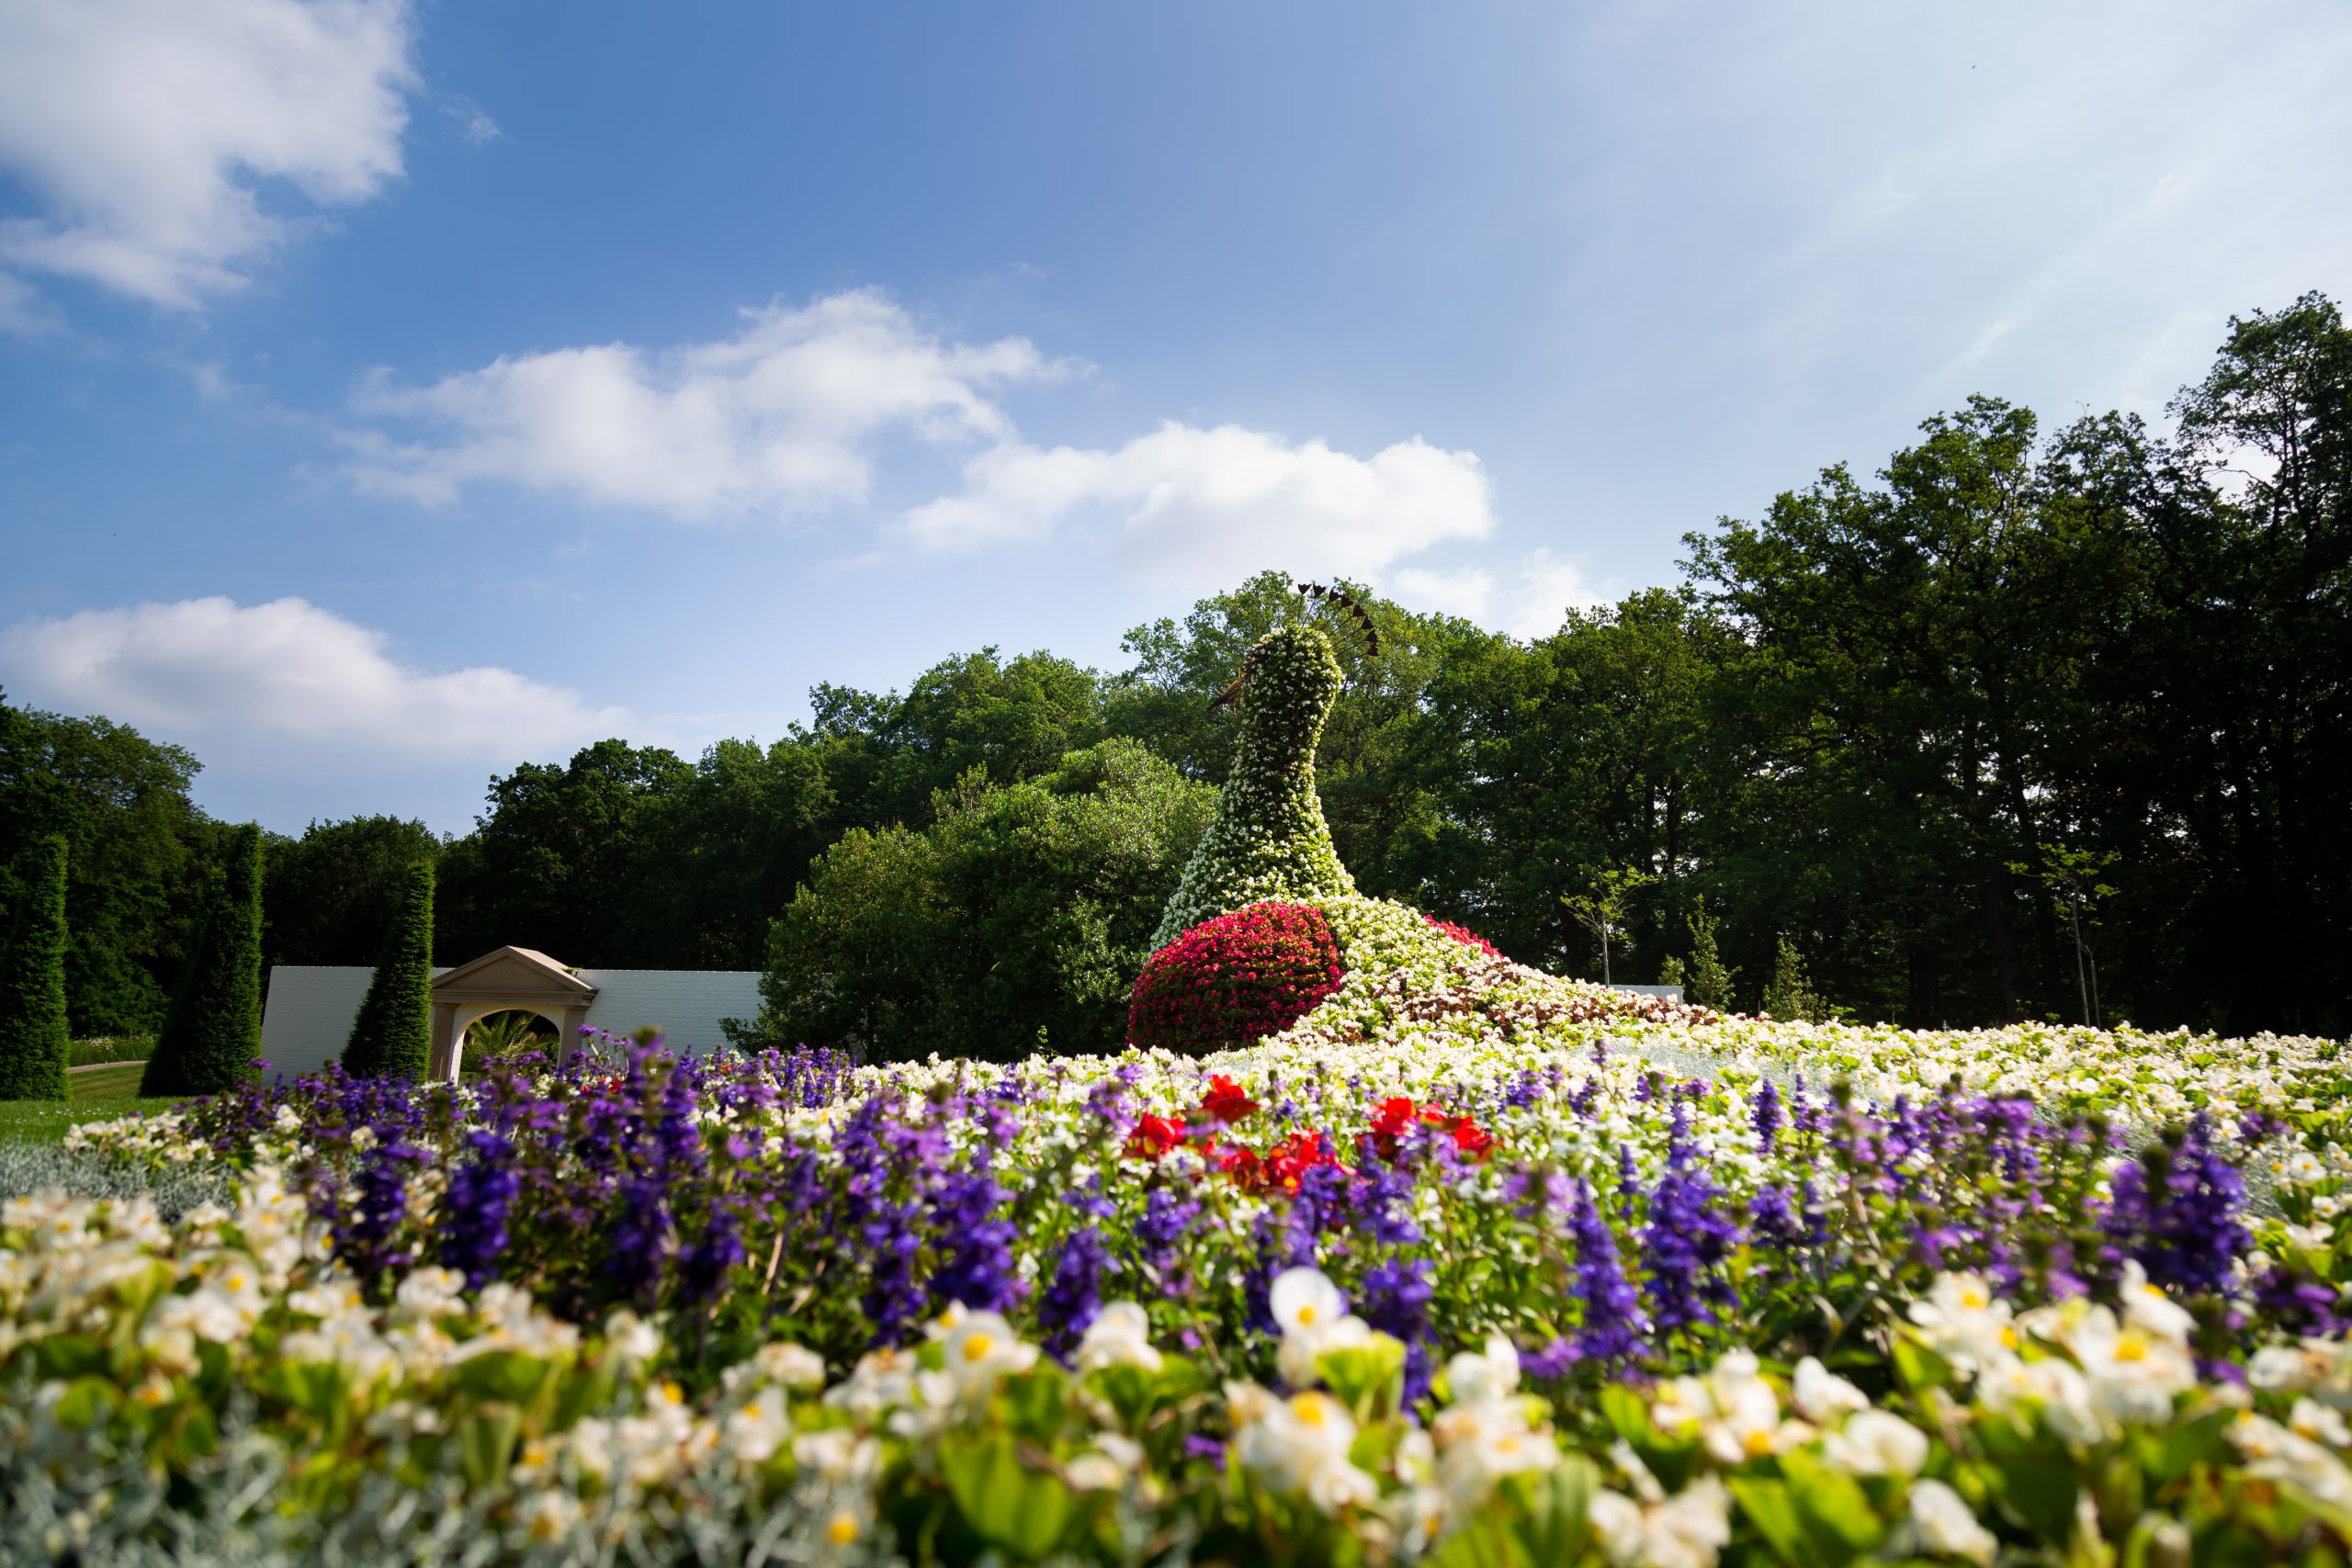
510,979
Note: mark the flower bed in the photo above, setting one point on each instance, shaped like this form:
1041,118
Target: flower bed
1448,1270
1234,979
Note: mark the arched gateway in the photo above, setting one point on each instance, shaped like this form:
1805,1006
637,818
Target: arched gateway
510,978
312,1007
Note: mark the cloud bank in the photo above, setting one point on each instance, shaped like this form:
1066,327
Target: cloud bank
143,127
288,684
776,418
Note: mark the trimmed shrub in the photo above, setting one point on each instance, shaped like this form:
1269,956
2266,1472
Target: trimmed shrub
1464,935
35,1043
212,1034
1234,979
1269,839
392,1036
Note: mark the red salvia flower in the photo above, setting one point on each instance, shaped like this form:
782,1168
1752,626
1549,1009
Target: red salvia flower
1227,1101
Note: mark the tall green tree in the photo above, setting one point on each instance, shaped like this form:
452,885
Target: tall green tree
35,1045
331,893
392,1035
213,1034
137,853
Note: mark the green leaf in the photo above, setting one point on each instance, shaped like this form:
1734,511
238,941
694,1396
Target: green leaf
1836,1511
1369,1379
1774,1512
487,1443
1918,1367
1004,1501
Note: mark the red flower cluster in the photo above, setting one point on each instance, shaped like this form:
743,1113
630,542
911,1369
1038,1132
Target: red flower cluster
1234,979
1398,1115
1466,937
1281,1168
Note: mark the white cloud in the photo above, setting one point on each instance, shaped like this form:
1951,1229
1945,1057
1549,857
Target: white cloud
288,684
1530,601
777,417
1203,507
142,125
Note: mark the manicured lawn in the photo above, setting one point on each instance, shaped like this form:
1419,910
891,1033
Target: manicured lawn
107,1092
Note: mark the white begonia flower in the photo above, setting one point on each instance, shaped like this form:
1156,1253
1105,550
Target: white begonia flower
628,1336
838,1454
790,1365
754,1433
1947,1526
1304,1301
1876,1443
1313,1319
1689,1529
2133,1373
1476,1379
2317,1421
2300,1170
2055,1387
1963,1322
983,1348
1120,1336
1822,1396
428,1293
2146,1307
882,1380
1300,1446
551,1515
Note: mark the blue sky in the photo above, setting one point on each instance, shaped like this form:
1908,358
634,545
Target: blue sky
390,394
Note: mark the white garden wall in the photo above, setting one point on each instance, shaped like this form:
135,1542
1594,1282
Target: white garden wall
312,1008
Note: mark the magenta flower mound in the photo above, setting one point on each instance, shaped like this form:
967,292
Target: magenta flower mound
1235,978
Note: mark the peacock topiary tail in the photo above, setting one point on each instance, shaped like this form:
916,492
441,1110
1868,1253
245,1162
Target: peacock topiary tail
1269,839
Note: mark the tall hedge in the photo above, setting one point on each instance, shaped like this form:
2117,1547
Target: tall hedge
35,1045
212,1034
392,1036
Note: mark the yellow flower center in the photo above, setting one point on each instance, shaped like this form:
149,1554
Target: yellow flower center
1306,1316
1970,1296
673,1394
1759,1443
2130,1347
843,1528
978,1346
1309,1409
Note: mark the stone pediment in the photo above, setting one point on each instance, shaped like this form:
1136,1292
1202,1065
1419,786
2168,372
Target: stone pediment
513,972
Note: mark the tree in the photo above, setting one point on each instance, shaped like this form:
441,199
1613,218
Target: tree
1789,994
136,855
332,892
213,1034
35,1043
392,1036
1016,908
1711,982
2074,878
1602,910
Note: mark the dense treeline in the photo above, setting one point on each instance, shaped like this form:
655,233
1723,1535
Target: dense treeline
2026,712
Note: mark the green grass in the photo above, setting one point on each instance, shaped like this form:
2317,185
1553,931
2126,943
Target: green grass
98,1097
112,1048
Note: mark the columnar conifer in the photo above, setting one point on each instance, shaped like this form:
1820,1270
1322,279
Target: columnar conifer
212,1034
392,1036
34,1041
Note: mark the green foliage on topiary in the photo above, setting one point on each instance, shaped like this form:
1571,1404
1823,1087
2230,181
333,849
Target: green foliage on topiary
35,1043
1269,839
392,1036
212,1034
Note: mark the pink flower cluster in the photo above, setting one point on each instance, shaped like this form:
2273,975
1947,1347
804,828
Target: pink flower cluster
1234,979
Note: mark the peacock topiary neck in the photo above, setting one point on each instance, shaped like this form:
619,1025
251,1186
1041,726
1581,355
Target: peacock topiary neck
1269,839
